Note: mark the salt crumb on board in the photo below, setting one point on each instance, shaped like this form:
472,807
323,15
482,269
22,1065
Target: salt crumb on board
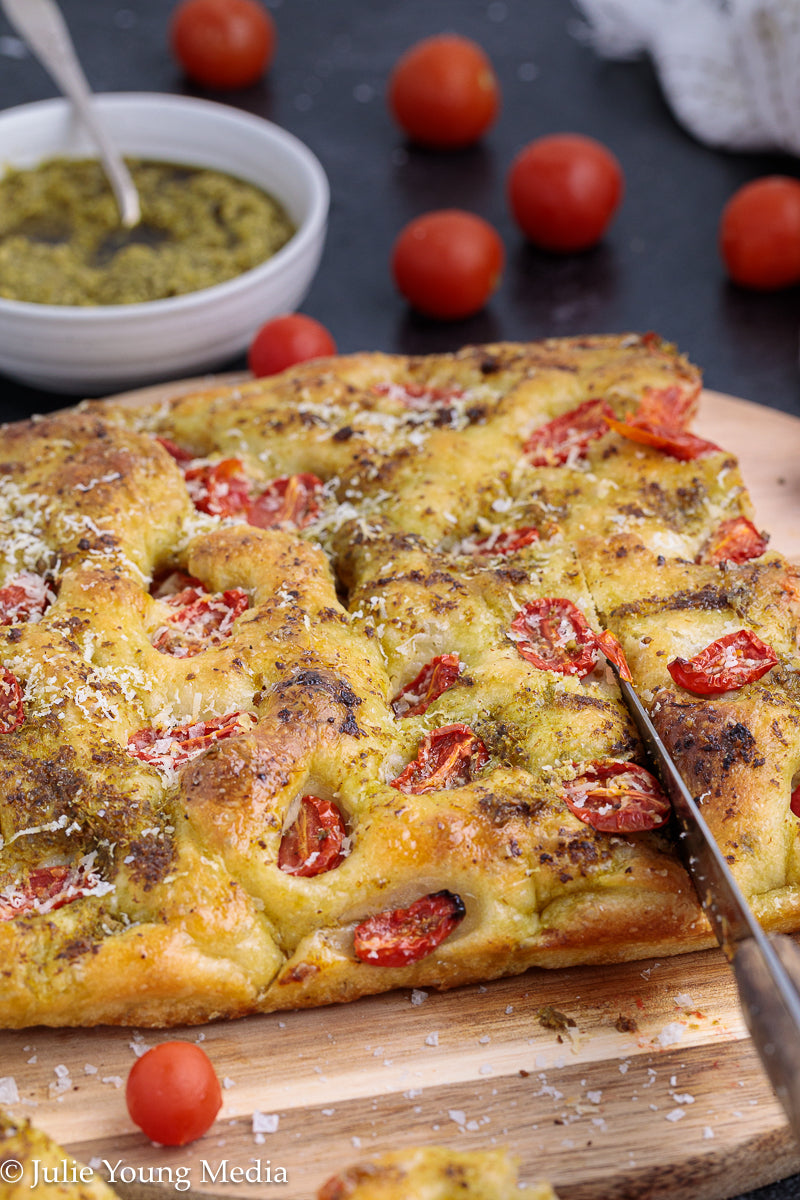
8,1090
432,1039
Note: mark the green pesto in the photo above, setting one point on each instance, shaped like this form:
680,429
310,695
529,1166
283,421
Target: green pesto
61,241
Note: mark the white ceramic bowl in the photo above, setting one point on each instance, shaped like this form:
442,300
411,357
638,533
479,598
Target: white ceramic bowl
96,350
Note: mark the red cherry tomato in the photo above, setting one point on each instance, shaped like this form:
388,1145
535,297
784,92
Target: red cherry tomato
48,888
419,396
554,635
669,408
173,1093
220,489
313,843
566,438
725,665
563,190
222,43
174,747
447,263
613,651
202,619
794,803
617,797
175,451
287,340
12,713
506,541
759,234
290,500
736,541
447,758
684,446
432,681
405,935
443,92
24,597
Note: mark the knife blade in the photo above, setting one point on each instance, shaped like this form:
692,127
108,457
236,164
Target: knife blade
766,967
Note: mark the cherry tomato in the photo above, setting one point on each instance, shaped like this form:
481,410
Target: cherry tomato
794,803
736,540
24,597
201,619
566,438
447,758
554,635
669,408
725,665
174,747
432,681
290,500
759,234
419,396
223,43
563,190
313,843
287,340
12,713
173,1093
447,263
401,936
220,489
167,584
46,889
175,451
613,651
443,92
684,446
506,541
617,797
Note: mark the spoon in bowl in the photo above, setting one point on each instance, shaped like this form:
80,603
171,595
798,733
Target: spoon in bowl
42,27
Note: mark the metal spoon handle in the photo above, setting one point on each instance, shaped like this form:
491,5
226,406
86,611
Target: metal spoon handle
41,25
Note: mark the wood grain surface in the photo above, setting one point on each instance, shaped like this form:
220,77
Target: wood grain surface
654,1091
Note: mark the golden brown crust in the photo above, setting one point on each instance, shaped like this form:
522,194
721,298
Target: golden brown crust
181,908
433,1173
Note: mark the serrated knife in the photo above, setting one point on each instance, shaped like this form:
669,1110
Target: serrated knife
766,966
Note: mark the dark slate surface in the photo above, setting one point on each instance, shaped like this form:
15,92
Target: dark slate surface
657,269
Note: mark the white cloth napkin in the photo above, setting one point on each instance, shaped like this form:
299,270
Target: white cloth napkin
730,69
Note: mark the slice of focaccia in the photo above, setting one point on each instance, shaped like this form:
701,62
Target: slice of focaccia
303,692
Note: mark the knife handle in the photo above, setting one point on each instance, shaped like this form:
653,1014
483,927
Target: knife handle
768,978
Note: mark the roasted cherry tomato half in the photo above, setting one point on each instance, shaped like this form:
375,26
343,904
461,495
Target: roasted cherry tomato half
12,712
617,797
291,500
443,92
725,665
168,583
201,619
447,758
313,842
566,439
222,43
419,396
174,747
684,446
794,803
26,596
173,1093
46,889
287,340
736,541
175,451
670,408
554,635
564,190
401,936
447,263
613,651
506,541
759,234
220,489
432,681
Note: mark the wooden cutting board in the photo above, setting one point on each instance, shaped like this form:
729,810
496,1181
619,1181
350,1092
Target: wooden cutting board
654,1091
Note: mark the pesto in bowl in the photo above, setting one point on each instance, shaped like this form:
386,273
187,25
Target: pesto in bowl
61,241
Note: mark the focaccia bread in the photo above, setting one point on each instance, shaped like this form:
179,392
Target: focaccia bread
303,691
434,1173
